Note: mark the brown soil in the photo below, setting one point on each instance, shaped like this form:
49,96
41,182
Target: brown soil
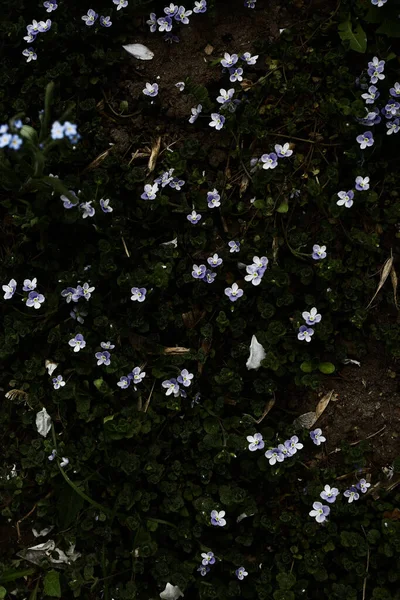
367,406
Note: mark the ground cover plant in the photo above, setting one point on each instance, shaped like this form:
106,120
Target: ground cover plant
192,247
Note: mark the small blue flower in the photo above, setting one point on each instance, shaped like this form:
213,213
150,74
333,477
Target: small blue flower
203,570
317,437
164,24
352,494
209,276
77,342
274,455
283,151
15,142
105,21
50,6
362,184
395,91
91,17
30,54
229,60
196,110
70,129
329,494
138,294
393,126
363,486
234,246
52,455
172,387
200,6
86,291
176,184
199,272
185,378
165,178
182,15
9,289
68,294
64,462
248,59
87,209
345,199
318,252
151,89
235,74
107,345
270,161
152,22
208,558
5,139
44,26
214,261
121,4
104,204
124,382
58,382
217,121
365,140
256,442
311,317
18,124
103,358
234,292
137,375
217,518
194,217
150,192
78,314
305,333
171,10
35,299
57,131
213,199
29,285
241,573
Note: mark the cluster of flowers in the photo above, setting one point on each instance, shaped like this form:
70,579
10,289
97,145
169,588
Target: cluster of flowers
278,454
177,13
36,27
270,161
166,178
208,558
86,208
135,377
251,3
33,299
321,511
311,318
91,17
73,294
64,461
391,110
173,386
11,140
256,270
65,130
346,198
225,98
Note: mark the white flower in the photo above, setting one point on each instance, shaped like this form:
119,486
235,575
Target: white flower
171,592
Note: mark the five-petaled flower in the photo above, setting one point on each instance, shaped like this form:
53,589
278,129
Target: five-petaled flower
241,573
233,292
320,512
217,518
150,191
365,140
317,436
351,494
213,199
91,17
35,299
362,184
103,358
311,317
185,378
345,198
319,252
329,494
58,382
363,486
77,342
217,121
305,333
151,89
256,442
194,217
138,294
208,558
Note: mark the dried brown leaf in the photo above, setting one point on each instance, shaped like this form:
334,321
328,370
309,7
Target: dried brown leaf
193,317
155,150
176,350
322,404
386,269
394,280
98,160
244,184
246,84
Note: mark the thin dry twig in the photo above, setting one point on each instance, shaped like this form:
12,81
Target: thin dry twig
146,406
23,519
359,441
125,247
367,567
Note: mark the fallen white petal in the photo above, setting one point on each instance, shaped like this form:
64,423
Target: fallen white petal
348,361
43,422
257,354
173,243
171,592
139,51
50,366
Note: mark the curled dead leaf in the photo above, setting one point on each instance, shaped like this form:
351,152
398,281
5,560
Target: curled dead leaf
386,269
394,280
176,350
155,150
